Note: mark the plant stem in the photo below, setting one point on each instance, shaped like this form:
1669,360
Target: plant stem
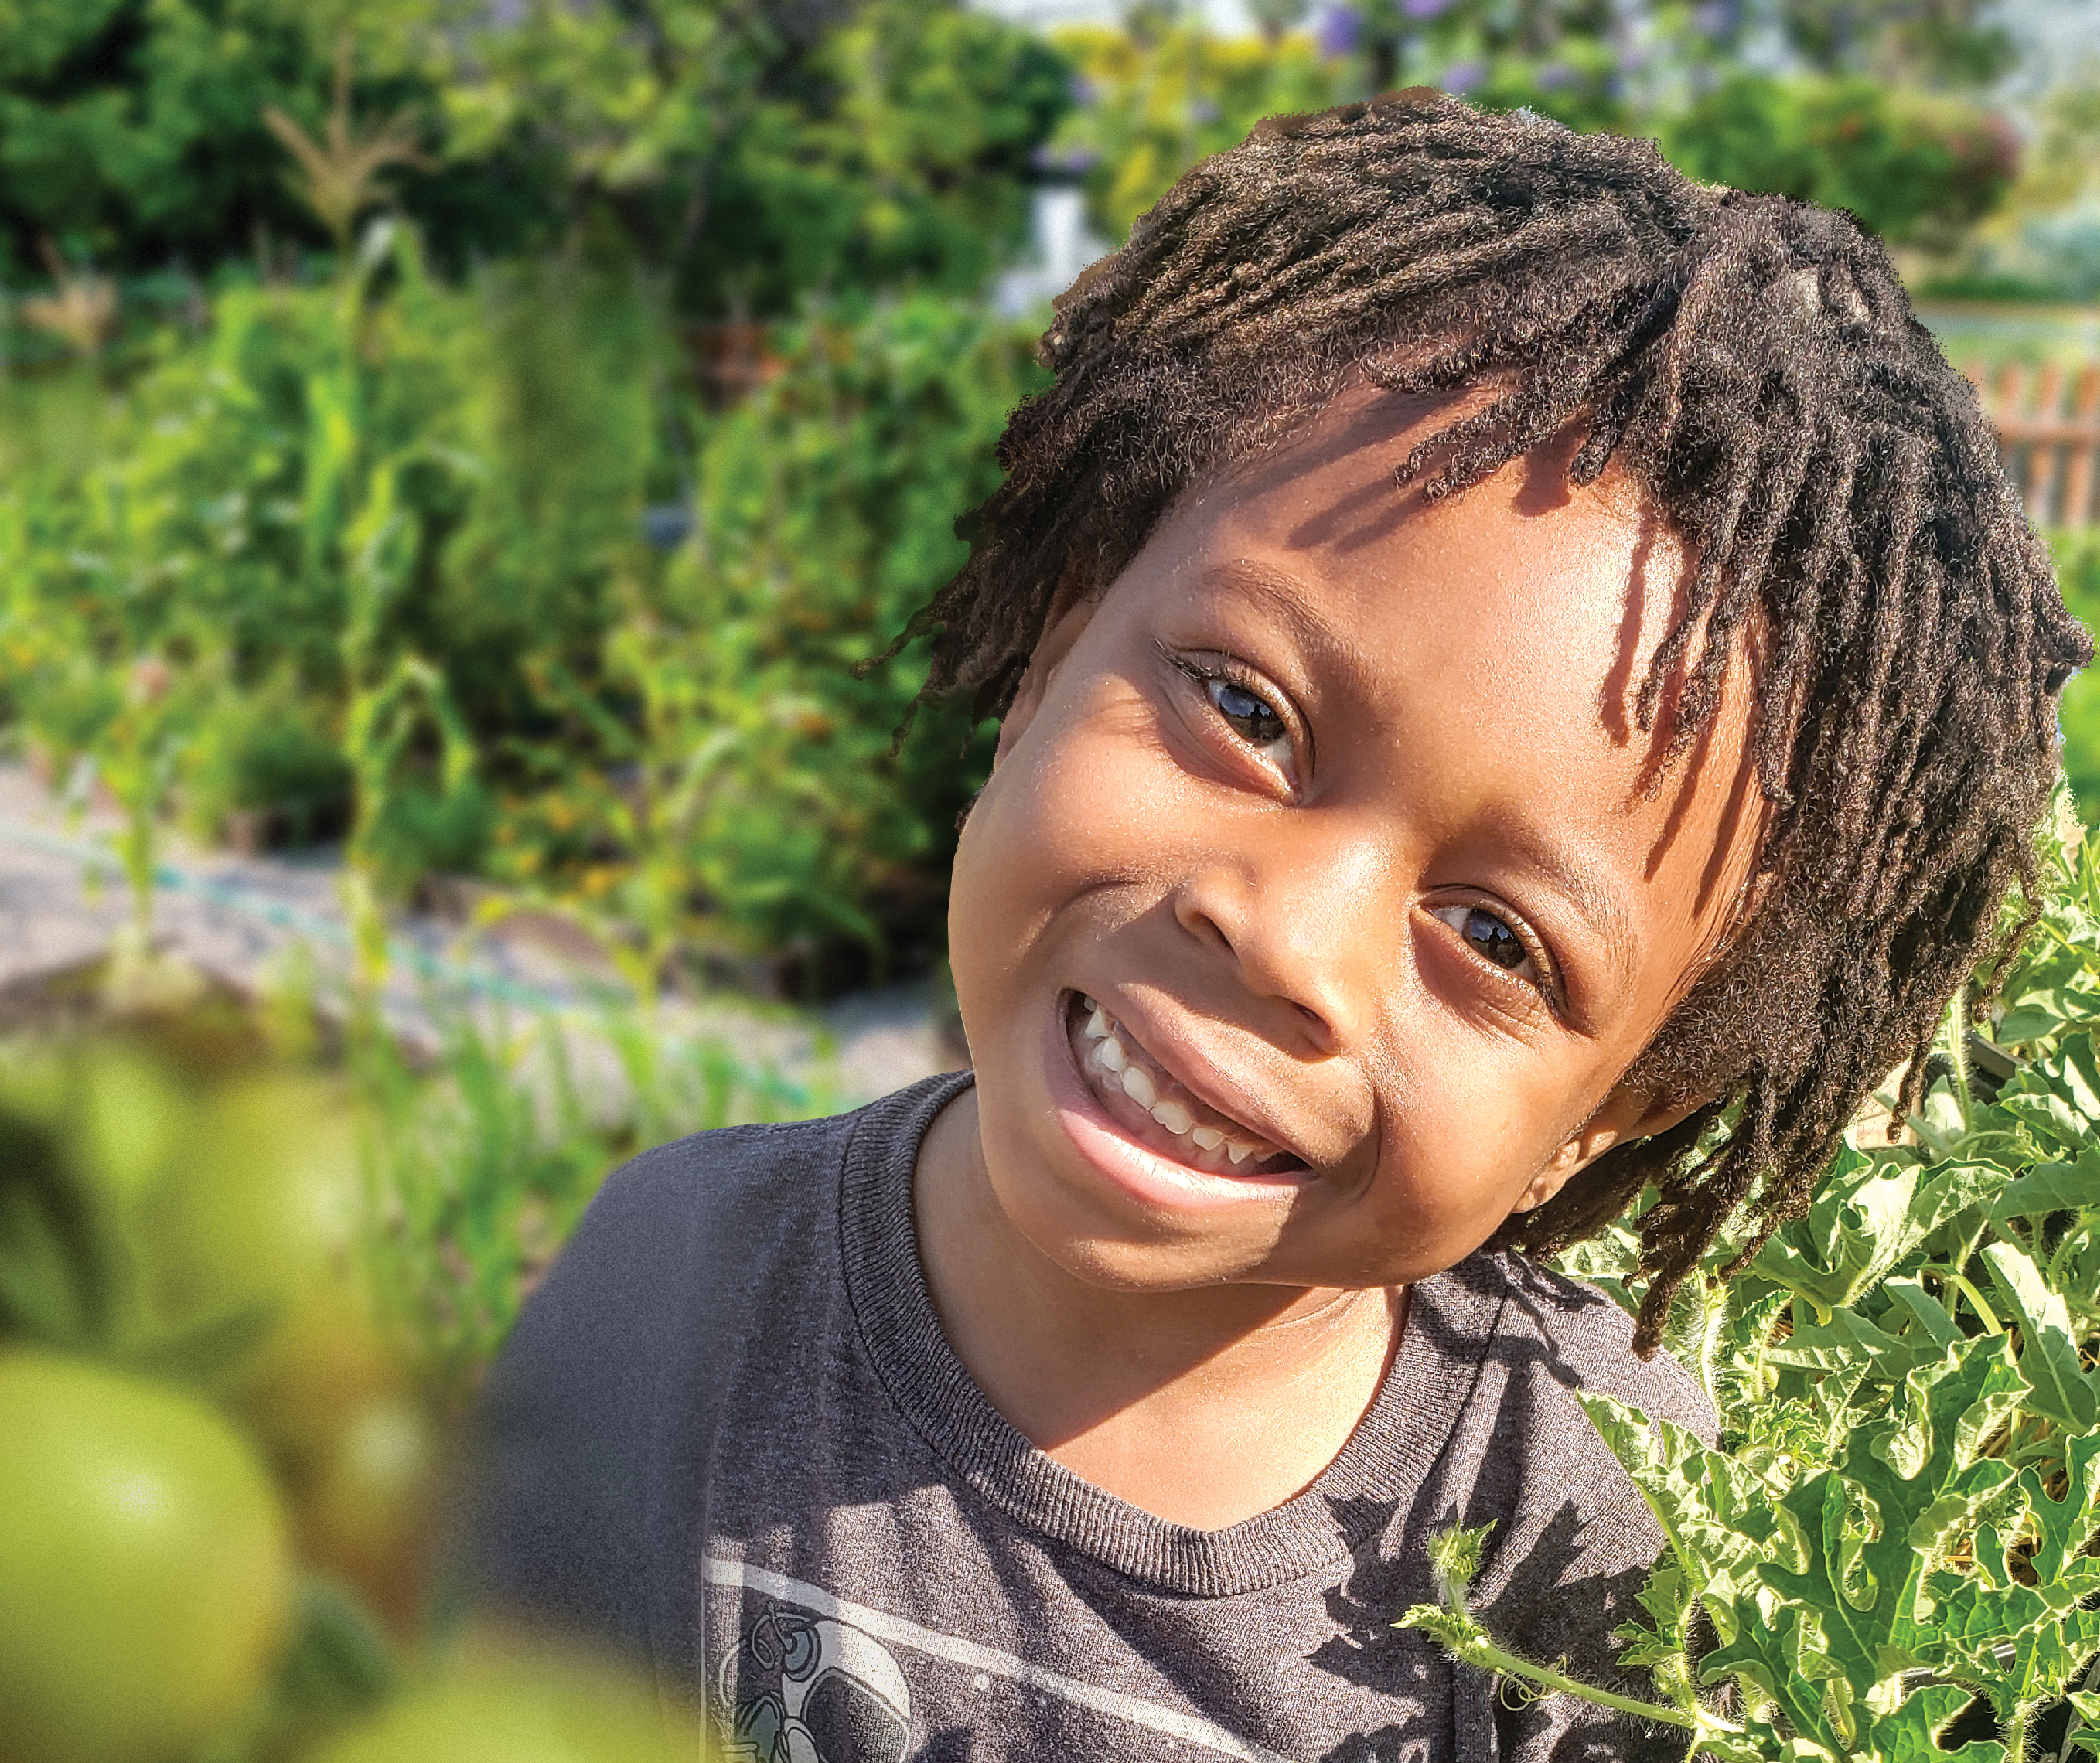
1478,1649
1960,1281
1957,1049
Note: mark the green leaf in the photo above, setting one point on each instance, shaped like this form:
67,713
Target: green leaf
2062,1391
1919,1472
1911,1734
1850,1339
1858,1228
1920,1308
2052,1187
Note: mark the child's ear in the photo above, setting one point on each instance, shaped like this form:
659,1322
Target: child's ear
1070,606
1626,1115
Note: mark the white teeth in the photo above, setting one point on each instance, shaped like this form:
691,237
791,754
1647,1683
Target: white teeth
1108,1054
1086,1002
1173,1116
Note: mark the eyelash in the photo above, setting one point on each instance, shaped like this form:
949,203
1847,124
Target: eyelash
1545,986
1208,675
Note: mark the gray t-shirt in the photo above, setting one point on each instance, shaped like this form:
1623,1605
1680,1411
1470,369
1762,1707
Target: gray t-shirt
729,1437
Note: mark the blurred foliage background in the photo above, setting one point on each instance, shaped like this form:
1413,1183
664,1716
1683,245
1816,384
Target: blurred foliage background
474,442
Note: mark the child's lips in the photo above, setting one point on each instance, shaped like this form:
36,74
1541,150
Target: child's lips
1146,1099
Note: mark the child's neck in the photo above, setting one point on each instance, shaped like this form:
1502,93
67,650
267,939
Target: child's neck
1204,1406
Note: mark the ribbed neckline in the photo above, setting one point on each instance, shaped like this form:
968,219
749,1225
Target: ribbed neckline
1451,1320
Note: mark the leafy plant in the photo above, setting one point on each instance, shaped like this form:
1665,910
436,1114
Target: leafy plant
337,174
1909,167
1892,1547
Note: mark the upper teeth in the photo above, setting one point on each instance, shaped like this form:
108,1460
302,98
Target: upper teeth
1113,1059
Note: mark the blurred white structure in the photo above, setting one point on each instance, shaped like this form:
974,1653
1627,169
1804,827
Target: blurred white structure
1228,18
1060,245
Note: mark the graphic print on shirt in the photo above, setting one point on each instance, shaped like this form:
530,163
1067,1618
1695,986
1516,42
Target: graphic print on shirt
805,1689
796,1639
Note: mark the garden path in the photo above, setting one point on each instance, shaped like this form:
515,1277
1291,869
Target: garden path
257,923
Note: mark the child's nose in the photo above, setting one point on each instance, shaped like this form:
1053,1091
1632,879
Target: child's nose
1306,925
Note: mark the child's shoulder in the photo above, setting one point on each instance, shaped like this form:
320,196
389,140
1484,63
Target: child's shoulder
1578,1335
768,1172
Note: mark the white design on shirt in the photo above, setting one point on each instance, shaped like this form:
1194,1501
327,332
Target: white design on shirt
900,1630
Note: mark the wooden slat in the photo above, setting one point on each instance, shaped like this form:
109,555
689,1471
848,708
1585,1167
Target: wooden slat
2050,444
2044,457
2007,408
2078,508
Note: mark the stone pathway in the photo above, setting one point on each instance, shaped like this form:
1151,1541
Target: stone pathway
252,921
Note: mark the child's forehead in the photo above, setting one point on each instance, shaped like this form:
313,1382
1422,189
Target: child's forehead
1597,570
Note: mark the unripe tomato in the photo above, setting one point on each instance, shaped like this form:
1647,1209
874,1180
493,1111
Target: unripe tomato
258,1211
550,1714
145,1573
260,1201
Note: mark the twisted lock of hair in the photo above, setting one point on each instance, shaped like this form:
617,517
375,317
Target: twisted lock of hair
1754,364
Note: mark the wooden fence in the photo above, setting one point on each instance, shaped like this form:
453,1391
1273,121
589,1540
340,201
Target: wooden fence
2047,422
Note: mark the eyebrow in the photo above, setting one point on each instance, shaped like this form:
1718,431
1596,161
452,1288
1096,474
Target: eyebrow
1600,905
1286,595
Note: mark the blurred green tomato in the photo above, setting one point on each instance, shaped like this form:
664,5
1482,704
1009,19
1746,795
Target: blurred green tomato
132,1116
259,1203
551,1712
259,1210
145,1575
121,1110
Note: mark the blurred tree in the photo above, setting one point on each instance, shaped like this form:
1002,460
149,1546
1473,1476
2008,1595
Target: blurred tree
1936,42
1563,58
132,131
1914,168
749,155
1274,18
1155,107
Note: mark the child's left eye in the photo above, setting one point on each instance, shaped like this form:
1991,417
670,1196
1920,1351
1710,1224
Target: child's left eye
1253,721
1492,938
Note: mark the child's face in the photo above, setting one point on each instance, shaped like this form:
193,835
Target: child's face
1334,803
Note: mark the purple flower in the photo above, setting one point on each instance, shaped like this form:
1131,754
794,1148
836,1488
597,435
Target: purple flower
1339,30
1462,76
1419,10
1553,76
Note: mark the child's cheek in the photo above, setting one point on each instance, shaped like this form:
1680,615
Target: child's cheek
1471,1123
1077,817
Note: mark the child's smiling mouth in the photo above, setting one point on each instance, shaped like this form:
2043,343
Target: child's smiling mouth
1149,1105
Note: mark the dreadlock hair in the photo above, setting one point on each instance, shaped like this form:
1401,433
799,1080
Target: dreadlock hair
1753,363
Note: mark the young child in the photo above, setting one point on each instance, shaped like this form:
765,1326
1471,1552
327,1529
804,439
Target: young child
1504,654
